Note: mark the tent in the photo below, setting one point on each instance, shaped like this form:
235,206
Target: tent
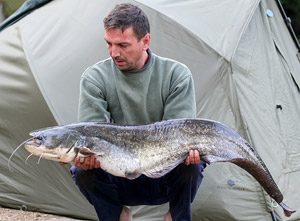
247,76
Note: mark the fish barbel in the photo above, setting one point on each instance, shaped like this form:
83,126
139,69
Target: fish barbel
152,149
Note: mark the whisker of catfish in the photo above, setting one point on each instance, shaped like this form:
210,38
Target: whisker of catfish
28,157
38,162
15,152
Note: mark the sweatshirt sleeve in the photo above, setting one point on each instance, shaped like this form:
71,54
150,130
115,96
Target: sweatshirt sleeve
180,102
92,102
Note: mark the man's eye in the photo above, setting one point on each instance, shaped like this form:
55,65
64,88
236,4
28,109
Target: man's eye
123,46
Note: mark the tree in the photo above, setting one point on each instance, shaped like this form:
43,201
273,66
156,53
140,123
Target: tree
292,9
10,6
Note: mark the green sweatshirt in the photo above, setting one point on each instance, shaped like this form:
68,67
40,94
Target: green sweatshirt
163,89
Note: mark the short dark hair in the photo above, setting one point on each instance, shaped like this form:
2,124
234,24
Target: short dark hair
126,15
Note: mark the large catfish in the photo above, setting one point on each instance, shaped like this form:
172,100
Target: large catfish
152,149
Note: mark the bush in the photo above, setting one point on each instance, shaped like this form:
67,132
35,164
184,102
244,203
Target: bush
292,10
10,6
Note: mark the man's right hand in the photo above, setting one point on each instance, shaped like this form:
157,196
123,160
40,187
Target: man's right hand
87,163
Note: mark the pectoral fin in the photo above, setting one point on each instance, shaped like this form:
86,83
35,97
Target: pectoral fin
81,146
85,145
85,151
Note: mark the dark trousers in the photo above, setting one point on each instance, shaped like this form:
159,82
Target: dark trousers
108,193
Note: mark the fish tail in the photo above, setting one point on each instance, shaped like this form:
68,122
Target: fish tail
287,211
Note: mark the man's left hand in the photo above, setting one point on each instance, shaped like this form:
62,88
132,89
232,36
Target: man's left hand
193,158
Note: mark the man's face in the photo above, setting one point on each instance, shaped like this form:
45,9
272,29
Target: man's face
128,53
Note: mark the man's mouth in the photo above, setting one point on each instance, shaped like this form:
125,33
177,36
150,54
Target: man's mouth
119,61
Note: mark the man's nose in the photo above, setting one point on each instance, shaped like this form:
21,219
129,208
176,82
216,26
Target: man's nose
115,52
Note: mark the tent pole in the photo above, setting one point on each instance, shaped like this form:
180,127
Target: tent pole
288,23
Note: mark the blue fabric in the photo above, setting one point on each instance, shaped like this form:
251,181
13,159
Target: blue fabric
108,193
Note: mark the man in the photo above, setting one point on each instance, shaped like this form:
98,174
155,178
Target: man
132,87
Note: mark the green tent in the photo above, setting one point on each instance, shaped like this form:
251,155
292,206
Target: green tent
247,76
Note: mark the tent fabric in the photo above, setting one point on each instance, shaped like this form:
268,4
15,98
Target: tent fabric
24,109
218,17
246,76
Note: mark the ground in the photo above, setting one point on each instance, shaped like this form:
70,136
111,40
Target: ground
17,215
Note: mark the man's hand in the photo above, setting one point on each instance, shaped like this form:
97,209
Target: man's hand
86,163
193,158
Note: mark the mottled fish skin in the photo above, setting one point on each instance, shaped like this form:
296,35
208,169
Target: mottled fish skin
155,149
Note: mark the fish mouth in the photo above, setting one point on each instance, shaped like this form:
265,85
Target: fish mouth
57,154
32,143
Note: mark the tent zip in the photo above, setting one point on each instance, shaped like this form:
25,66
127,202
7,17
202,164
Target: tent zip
273,216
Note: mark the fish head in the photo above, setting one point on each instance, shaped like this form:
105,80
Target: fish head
57,143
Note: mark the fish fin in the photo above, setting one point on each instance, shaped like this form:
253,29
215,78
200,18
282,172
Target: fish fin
132,176
81,146
85,151
163,170
84,146
212,159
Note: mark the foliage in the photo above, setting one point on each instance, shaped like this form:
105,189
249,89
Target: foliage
292,9
10,6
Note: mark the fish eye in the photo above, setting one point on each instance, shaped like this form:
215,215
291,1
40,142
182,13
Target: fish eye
37,139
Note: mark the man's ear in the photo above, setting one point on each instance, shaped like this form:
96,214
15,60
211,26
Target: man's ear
146,41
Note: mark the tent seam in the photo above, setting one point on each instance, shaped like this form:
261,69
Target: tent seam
244,29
